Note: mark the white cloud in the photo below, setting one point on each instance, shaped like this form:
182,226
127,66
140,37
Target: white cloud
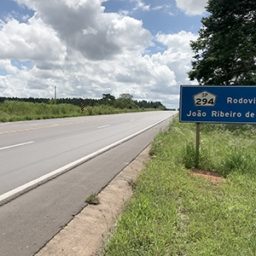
192,7
178,54
83,25
8,67
32,40
140,5
165,8
179,42
86,52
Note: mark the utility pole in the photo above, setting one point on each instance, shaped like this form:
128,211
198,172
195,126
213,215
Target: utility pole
55,94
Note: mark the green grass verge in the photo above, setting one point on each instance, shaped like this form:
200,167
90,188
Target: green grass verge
175,213
17,111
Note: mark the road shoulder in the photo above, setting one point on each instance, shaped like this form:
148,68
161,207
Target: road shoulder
86,233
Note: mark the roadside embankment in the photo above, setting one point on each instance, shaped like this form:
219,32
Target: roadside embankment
179,210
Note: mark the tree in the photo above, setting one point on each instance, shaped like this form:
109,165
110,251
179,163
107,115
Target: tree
125,101
108,99
225,51
126,96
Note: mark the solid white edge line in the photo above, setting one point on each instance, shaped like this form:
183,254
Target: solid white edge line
17,145
14,193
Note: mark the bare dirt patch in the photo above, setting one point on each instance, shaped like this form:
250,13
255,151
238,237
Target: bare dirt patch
86,233
211,176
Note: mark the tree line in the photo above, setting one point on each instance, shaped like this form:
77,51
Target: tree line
124,101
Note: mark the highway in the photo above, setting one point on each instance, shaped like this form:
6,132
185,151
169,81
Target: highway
30,150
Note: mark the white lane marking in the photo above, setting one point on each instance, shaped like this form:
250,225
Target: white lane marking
12,194
30,129
17,145
103,126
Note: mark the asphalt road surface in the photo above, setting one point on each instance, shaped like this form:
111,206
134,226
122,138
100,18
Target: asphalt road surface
29,150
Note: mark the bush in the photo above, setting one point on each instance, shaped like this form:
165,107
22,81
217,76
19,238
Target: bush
224,150
189,159
16,111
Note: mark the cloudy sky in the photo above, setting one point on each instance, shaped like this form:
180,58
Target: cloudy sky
89,47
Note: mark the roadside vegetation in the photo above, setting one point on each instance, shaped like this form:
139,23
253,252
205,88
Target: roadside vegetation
15,109
177,210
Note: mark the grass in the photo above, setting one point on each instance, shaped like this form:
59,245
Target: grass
175,213
92,199
17,111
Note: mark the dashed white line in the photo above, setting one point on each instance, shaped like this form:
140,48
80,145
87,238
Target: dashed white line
30,129
103,126
17,145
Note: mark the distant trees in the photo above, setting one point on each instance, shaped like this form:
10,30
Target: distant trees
30,99
150,104
126,96
108,98
225,52
123,101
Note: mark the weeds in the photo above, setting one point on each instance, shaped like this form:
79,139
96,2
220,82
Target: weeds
189,156
174,213
92,199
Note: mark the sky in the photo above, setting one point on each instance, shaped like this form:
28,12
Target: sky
86,48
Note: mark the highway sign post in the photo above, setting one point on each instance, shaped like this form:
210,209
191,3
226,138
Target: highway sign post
217,104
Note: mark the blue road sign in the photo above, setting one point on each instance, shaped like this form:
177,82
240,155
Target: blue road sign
218,104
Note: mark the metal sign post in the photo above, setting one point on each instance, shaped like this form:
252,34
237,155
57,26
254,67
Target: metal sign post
197,145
